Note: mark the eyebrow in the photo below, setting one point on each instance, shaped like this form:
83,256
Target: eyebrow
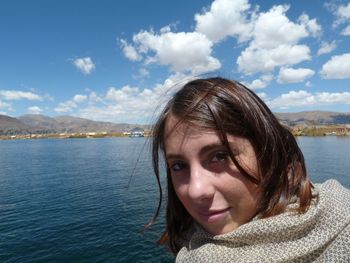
204,149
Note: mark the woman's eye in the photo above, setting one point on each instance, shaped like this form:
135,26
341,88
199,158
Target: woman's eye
176,167
220,157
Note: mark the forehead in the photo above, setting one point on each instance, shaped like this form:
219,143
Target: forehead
175,127
183,137
179,134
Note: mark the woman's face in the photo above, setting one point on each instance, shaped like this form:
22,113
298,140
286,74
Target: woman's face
205,179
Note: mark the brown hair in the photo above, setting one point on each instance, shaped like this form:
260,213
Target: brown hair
228,107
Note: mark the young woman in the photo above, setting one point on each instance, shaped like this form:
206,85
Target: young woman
238,190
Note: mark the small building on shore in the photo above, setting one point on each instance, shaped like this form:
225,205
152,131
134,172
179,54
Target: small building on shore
137,132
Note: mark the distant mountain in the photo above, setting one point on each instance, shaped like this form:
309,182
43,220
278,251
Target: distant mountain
37,120
314,118
33,123
10,125
30,123
7,122
75,124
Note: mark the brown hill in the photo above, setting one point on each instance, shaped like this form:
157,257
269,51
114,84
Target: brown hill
7,122
70,124
41,121
30,123
314,118
10,125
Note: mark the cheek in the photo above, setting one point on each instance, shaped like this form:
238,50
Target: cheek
250,166
240,192
250,163
180,188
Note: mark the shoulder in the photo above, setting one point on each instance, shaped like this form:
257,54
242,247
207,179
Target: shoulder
331,184
338,249
332,191
334,213
333,206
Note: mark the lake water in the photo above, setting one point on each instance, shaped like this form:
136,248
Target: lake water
69,200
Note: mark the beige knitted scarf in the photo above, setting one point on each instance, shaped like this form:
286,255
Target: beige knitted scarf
322,234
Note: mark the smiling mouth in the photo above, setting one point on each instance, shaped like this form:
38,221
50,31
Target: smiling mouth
214,216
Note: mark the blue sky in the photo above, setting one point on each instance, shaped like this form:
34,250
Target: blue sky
119,61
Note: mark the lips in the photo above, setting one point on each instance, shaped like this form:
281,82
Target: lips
213,216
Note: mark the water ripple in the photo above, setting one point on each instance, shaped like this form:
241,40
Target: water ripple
69,200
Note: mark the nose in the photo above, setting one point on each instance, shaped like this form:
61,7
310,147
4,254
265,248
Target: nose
201,187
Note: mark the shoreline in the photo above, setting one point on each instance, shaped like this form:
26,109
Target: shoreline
321,130
80,135
305,131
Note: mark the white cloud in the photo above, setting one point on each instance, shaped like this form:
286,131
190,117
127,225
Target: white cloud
254,60
4,105
311,25
260,83
274,28
338,67
275,41
19,95
183,52
69,105
225,18
308,84
132,104
65,106
94,98
129,51
122,94
35,110
165,29
143,72
326,48
302,98
342,14
133,99
79,98
292,99
262,95
333,98
291,75
346,31
85,65
344,11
